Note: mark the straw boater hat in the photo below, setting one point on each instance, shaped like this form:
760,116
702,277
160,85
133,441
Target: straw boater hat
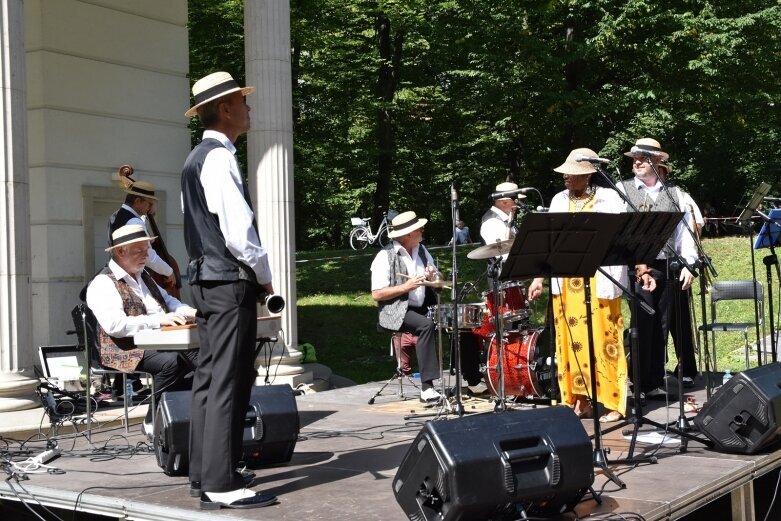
572,167
213,86
129,234
507,187
405,223
649,146
142,189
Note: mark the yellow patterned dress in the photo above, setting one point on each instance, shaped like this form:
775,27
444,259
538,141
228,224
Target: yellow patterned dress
573,361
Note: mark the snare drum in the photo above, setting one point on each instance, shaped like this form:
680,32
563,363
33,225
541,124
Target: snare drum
528,367
469,315
515,308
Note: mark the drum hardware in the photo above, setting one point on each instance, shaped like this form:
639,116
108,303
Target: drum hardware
490,251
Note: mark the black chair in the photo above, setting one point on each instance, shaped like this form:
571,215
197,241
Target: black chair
399,374
87,333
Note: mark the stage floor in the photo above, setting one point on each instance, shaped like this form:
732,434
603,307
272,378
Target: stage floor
345,461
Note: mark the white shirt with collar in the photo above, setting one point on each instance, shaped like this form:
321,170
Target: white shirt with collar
222,186
684,243
154,262
414,264
104,300
495,229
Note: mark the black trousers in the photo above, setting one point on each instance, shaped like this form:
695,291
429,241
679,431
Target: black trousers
653,329
417,323
223,381
469,345
682,333
170,370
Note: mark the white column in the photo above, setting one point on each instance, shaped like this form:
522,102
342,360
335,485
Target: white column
16,349
270,157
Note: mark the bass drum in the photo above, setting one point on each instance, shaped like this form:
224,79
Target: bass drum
529,367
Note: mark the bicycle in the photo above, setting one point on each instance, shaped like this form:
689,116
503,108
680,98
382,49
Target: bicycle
361,235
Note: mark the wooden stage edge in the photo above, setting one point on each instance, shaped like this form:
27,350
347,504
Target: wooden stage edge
348,453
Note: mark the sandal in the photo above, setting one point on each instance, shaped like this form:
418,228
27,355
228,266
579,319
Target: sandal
612,416
587,412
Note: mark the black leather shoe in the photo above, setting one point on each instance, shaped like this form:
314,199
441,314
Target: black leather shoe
247,475
256,501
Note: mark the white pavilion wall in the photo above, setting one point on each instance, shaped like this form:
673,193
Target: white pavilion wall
107,86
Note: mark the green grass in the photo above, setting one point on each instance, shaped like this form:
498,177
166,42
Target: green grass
337,315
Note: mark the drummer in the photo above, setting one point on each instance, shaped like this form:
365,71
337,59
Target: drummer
398,274
497,223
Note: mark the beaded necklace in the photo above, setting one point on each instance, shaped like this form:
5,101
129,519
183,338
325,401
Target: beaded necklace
580,202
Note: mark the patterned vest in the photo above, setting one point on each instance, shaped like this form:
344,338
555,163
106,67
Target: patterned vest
392,311
121,353
644,203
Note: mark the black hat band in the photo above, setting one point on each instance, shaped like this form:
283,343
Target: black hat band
407,224
215,91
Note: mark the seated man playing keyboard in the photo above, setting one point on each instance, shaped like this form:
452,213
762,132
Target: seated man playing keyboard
124,299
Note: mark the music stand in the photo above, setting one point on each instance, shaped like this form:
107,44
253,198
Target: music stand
568,245
576,245
744,219
770,237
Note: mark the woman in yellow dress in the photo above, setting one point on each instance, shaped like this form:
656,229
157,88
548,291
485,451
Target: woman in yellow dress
569,308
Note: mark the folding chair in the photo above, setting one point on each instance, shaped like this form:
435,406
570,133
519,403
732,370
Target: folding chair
734,290
87,334
400,348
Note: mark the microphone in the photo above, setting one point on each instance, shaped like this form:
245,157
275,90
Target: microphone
542,208
454,200
590,159
511,193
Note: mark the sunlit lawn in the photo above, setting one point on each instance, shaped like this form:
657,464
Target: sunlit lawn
337,315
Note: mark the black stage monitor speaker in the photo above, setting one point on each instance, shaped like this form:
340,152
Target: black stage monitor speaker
743,416
490,465
270,428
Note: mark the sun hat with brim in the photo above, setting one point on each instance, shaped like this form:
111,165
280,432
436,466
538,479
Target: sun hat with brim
404,223
213,86
571,166
508,186
129,234
664,164
141,189
647,145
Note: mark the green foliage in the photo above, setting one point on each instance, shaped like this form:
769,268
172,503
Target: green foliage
489,90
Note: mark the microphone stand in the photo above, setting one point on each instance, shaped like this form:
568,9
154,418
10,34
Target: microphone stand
771,260
636,304
455,217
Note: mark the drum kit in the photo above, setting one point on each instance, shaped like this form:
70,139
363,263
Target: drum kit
520,366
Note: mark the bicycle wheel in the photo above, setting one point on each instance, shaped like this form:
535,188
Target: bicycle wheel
382,237
359,238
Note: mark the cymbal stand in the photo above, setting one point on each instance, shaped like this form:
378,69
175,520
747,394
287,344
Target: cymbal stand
494,268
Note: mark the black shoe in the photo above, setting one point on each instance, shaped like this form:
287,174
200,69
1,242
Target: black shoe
256,501
247,475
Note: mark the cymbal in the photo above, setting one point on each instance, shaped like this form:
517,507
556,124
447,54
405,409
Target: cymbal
436,284
491,250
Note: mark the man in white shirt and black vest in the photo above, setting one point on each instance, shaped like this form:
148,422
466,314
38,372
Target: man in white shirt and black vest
648,195
398,272
229,274
125,300
140,202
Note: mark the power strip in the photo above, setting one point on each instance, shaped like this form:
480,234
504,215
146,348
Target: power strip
46,456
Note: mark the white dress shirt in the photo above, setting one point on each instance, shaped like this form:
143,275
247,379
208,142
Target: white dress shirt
414,264
222,187
154,262
106,303
496,228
